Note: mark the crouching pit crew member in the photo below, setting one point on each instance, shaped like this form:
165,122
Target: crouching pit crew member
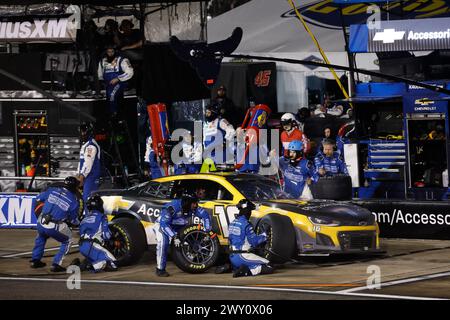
94,232
174,216
243,239
60,211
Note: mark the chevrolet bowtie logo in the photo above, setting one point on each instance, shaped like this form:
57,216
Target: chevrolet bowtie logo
389,36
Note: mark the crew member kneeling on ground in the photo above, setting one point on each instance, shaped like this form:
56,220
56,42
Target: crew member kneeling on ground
330,162
174,216
242,239
94,232
60,210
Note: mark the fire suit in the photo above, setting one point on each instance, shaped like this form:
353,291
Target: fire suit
332,165
296,174
242,238
214,134
90,167
94,231
62,206
121,69
171,221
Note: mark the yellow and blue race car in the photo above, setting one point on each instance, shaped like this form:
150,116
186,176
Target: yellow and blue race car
295,228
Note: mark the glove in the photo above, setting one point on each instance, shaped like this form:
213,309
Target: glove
176,242
46,218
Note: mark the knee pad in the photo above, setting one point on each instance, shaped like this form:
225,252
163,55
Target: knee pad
243,271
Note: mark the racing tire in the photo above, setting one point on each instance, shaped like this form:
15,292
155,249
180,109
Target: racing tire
128,241
199,249
281,239
338,187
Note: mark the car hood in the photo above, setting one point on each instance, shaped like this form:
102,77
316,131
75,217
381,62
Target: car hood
345,212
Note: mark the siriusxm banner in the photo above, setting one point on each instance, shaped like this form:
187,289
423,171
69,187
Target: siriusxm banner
55,30
401,35
17,210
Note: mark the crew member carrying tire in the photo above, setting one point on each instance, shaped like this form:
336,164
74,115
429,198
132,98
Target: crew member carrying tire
243,239
174,216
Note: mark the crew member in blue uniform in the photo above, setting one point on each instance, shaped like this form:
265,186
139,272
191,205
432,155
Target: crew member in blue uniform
89,168
115,71
242,239
151,158
60,211
94,232
329,162
297,171
217,132
174,216
191,161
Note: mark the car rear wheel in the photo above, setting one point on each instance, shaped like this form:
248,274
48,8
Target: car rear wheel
199,249
281,244
128,241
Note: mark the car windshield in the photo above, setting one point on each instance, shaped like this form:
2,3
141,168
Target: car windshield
259,189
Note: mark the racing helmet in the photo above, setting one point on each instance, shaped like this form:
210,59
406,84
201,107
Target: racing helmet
296,146
95,202
71,183
245,208
187,199
214,109
288,118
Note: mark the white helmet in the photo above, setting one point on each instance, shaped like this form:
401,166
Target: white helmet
288,118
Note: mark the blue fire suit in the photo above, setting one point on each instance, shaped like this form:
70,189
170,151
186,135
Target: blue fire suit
242,238
90,167
62,205
192,161
295,175
150,157
171,221
94,231
332,165
120,69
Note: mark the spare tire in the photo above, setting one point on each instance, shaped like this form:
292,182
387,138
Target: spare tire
338,187
128,241
281,240
199,249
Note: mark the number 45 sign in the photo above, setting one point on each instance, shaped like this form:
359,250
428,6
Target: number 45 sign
225,216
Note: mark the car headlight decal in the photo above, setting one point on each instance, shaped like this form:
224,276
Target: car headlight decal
324,221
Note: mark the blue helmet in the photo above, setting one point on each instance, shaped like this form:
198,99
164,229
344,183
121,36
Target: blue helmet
296,145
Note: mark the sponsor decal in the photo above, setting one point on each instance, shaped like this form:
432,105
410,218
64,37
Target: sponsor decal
17,211
150,212
405,217
327,13
388,35
38,29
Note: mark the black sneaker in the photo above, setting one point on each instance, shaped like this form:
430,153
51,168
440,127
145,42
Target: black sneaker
162,273
37,264
243,271
75,262
111,267
57,268
225,268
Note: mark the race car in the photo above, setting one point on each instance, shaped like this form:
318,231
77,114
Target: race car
295,228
